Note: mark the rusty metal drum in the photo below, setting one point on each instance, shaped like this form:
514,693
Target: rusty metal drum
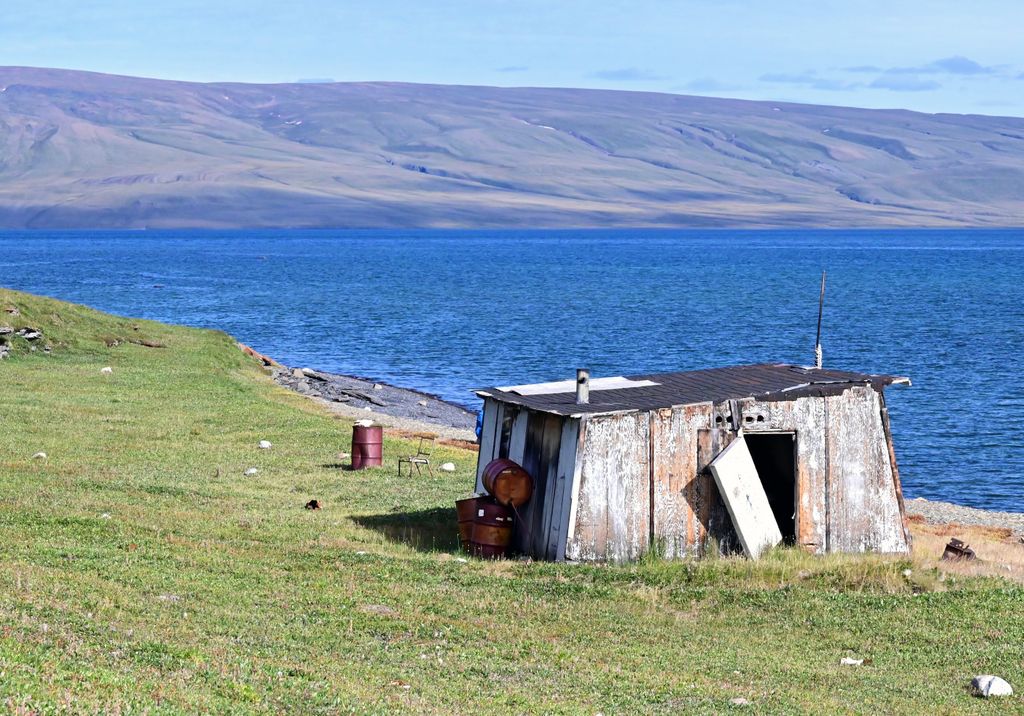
492,530
465,513
367,446
507,482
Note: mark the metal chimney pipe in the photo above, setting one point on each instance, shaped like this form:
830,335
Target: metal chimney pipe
582,386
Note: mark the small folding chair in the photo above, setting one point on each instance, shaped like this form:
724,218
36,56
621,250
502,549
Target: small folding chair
422,457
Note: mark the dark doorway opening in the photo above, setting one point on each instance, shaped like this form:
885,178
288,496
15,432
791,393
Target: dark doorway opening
775,461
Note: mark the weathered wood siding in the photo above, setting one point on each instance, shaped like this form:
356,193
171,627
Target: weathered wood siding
540,459
718,533
614,501
606,486
806,418
561,503
863,513
490,438
847,498
678,494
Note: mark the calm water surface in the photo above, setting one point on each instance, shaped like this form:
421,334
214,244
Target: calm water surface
449,311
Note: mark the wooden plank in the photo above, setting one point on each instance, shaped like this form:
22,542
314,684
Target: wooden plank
716,530
863,509
517,441
628,483
700,491
571,544
530,461
808,421
675,479
561,503
745,498
489,437
540,456
550,452
588,538
613,509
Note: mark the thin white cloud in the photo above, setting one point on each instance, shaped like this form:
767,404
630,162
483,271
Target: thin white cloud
954,65
959,65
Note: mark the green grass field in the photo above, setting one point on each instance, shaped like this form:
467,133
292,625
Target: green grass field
142,572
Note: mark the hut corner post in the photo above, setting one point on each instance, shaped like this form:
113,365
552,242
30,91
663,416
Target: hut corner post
886,428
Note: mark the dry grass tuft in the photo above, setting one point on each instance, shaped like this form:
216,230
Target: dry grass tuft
1000,552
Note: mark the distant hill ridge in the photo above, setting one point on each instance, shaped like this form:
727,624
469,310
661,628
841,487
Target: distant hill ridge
80,149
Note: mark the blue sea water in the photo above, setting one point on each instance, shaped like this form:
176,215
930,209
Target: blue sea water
446,311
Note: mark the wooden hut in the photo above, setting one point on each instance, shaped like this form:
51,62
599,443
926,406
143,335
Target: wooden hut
628,464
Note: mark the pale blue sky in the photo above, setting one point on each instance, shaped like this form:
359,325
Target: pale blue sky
929,55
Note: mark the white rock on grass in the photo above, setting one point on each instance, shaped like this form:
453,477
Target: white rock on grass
988,685
107,370
266,445
448,467
251,471
739,701
847,661
39,456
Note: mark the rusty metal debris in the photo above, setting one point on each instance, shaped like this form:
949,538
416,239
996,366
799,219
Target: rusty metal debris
957,550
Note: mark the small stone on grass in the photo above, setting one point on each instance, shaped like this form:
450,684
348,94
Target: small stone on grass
39,456
251,471
266,445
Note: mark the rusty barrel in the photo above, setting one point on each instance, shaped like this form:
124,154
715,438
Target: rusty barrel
465,513
367,446
492,530
507,482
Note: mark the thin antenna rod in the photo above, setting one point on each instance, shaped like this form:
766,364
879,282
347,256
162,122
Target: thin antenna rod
821,307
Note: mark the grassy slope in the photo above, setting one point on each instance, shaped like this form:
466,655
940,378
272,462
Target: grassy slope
205,590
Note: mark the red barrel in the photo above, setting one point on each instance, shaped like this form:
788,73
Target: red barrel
367,446
492,530
465,512
508,482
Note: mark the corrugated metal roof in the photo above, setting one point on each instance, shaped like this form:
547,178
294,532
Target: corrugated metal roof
769,380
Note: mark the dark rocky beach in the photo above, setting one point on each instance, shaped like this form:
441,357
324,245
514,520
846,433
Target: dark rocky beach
400,408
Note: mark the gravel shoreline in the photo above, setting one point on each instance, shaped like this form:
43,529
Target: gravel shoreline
401,408
937,512
415,412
